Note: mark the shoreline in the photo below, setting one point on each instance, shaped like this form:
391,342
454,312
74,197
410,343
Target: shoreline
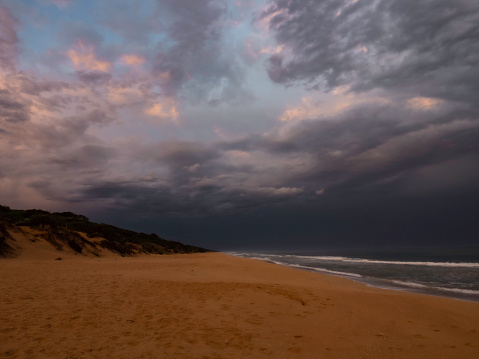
384,284
214,305
408,287
430,291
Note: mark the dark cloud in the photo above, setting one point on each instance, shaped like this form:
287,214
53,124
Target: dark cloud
94,77
95,116
444,219
179,154
390,158
371,144
200,199
76,163
11,109
157,199
92,157
367,156
34,86
428,47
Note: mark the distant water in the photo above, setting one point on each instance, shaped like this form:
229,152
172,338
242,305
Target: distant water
447,272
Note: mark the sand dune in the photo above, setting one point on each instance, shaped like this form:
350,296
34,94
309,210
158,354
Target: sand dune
215,306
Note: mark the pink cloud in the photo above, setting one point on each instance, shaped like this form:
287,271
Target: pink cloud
424,103
83,57
132,60
166,110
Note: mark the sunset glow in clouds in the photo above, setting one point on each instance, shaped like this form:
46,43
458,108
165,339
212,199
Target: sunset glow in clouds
223,116
83,58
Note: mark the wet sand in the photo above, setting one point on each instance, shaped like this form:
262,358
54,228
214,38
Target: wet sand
215,306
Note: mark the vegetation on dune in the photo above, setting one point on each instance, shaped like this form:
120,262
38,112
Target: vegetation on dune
5,249
62,228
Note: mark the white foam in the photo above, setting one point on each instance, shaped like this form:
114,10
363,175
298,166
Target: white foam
457,290
428,264
373,261
417,285
326,258
408,284
323,270
268,259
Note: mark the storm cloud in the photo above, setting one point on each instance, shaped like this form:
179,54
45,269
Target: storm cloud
290,123
428,48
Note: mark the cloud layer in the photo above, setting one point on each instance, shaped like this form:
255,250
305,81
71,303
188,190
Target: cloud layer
331,116
427,48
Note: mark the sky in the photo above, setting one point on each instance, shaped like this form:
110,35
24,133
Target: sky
246,124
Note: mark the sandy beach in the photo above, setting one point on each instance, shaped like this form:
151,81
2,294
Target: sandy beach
215,306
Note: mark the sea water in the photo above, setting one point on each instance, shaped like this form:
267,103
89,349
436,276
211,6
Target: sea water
448,272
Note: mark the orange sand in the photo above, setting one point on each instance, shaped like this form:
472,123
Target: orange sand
215,306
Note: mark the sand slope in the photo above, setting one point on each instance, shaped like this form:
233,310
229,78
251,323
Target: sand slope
215,306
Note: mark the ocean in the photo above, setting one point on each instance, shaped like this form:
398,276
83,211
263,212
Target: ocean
447,272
